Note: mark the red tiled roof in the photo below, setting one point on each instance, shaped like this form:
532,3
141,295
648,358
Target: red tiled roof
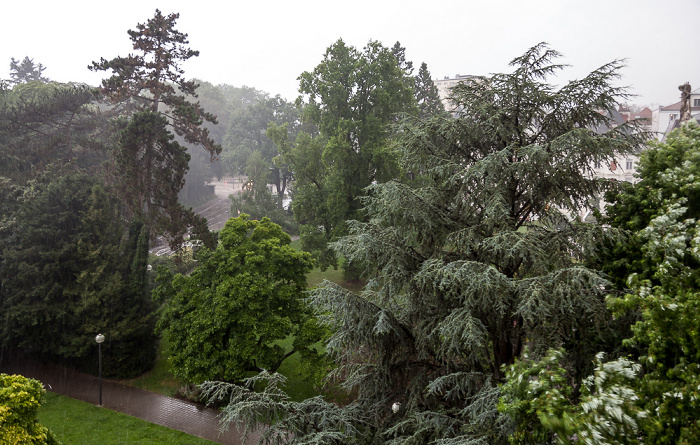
677,107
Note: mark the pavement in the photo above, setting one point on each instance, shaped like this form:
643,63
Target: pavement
193,419
217,210
170,412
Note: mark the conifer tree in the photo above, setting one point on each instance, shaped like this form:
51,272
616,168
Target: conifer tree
468,261
427,95
26,71
152,81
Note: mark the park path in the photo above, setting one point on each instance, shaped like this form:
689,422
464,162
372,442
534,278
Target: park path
170,412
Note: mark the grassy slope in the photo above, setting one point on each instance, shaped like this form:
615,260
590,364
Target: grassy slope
76,422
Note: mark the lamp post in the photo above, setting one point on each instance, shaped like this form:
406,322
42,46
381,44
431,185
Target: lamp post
99,339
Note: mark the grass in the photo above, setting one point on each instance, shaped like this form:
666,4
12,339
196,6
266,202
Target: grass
159,379
298,387
76,422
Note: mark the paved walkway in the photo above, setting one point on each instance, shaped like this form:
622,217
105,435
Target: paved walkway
166,411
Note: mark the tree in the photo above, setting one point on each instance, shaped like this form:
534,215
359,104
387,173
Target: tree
226,318
65,276
49,125
427,95
539,398
26,71
633,206
469,260
352,97
665,284
152,81
155,165
20,399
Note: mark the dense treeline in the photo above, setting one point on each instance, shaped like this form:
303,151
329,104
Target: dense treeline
491,313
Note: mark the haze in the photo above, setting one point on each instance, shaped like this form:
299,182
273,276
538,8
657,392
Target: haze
267,45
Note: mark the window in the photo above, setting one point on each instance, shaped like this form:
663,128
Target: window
696,102
629,165
672,117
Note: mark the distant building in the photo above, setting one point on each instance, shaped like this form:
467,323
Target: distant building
643,117
665,118
444,86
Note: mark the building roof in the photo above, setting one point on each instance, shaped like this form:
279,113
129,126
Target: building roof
677,107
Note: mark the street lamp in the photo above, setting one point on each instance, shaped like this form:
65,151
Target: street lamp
99,339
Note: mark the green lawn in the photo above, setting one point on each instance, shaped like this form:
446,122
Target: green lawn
78,423
161,381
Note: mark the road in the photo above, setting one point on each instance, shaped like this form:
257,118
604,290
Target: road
217,211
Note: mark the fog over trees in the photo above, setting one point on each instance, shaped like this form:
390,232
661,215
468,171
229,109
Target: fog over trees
474,306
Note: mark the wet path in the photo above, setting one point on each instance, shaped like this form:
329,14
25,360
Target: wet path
166,411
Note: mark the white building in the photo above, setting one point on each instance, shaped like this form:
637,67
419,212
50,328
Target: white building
445,84
666,117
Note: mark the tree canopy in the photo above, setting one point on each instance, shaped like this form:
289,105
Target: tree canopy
427,95
26,71
150,90
665,290
226,318
469,258
351,97
20,399
66,275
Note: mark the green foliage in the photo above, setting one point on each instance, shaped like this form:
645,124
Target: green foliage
67,277
20,399
149,167
538,396
272,415
666,288
246,132
470,256
351,97
26,71
48,127
149,88
257,200
427,95
634,207
227,317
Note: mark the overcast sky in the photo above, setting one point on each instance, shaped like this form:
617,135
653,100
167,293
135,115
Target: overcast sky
267,44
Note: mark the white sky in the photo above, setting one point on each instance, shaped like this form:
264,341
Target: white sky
267,44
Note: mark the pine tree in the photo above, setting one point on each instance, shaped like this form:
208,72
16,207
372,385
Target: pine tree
468,261
427,95
26,71
152,81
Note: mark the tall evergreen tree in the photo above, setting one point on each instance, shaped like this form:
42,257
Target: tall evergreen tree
26,71
49,125
66,276
152,81
468,261
427,95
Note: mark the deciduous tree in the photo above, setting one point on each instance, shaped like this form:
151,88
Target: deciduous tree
226,318
468,261
665,285
351,96
20,399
